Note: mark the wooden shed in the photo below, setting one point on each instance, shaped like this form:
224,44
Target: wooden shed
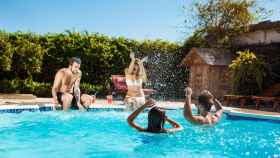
209,70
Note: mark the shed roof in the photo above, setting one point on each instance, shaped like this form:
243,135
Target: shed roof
210,56
265,25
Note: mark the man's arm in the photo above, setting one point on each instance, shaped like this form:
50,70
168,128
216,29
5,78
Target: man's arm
188,110
187,107
218,105
77,94
219,111
190,117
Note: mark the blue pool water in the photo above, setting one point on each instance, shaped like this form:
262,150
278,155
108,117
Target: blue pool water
106,134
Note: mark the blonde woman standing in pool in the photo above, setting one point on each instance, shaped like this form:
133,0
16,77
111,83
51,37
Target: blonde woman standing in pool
135,76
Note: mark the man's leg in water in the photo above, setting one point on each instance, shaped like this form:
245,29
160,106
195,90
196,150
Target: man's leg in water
66,100
86,100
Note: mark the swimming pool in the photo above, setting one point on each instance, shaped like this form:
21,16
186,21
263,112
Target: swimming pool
106,134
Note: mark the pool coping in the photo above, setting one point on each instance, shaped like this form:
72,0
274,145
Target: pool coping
44,104
247,114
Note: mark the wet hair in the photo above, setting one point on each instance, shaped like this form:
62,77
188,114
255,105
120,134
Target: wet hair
204,99
156,120
75,59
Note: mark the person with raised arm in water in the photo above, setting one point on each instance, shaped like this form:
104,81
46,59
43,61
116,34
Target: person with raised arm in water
156,119
205,102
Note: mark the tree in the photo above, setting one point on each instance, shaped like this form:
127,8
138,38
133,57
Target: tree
218,20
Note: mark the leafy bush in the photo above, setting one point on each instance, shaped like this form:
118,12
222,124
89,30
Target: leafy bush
42,89
39,89
28,57
10,86
22,86
6,54
90,89
32,57
249,73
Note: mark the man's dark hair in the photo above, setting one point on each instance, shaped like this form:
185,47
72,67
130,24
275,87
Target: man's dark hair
75,59
204,102
204,99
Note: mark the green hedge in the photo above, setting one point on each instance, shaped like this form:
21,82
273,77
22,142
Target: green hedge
25,86
38,57
39,89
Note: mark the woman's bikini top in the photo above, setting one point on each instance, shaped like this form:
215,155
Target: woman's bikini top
130,82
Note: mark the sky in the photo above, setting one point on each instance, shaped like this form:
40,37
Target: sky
135,19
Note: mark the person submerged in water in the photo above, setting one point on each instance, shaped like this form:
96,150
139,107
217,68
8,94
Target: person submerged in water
66,90
156,119
205,102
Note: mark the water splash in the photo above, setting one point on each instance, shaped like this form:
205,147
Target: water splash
164,75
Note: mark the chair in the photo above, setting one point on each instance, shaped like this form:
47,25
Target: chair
120,86
228,99
269,95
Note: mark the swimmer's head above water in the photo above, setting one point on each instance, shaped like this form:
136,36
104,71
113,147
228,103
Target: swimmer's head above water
205,101
156,120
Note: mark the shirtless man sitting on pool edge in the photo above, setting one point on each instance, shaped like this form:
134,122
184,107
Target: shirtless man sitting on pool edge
66,87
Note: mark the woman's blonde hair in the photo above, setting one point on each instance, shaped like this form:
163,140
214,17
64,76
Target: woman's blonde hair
141,73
